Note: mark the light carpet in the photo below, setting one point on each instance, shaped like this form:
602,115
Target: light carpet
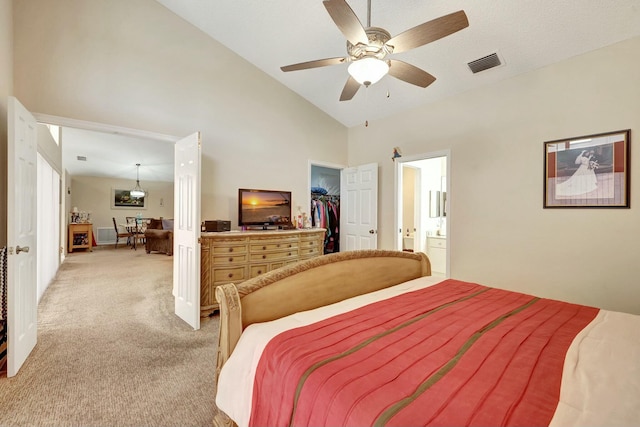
111,352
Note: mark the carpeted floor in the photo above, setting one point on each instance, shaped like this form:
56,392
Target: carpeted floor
111,352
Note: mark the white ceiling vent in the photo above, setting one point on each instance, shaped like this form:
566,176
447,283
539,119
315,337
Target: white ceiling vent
81,158
489,61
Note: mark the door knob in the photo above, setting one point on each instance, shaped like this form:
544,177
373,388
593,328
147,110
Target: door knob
24,249
372,232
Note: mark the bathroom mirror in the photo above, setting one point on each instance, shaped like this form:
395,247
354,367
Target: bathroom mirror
434,204
443,200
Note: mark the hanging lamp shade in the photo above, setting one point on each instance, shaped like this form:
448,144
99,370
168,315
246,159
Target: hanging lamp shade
137,191
368,71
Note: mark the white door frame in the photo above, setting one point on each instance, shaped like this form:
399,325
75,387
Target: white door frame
398,195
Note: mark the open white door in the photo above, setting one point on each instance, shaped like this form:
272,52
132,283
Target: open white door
359,211
22,300
186,230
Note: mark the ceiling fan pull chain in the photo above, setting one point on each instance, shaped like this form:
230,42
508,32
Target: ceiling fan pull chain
366,104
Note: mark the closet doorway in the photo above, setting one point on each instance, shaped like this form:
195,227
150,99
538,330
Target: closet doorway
422,205
324,202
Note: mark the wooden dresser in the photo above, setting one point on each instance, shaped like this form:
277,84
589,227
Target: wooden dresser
235,256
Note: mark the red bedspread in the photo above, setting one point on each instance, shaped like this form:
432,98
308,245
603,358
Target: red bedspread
455,353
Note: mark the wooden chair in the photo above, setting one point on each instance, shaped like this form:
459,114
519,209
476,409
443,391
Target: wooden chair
120,234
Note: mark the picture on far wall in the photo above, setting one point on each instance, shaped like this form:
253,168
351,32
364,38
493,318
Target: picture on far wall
121,199
588,171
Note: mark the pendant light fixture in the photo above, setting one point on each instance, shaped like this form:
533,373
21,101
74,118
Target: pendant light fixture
137,191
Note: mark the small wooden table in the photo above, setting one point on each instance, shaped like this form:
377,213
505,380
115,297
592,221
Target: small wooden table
80,236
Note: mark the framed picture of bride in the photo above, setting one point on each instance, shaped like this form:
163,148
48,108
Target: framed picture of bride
589,171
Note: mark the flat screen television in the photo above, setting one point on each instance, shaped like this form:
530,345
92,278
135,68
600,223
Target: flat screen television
264,207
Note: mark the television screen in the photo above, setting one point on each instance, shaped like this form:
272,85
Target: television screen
261,207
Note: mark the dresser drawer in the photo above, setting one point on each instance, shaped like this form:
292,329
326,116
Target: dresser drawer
258,269
273,245
310,243
436,243
310,252
229,248
232,258
273,256
236,274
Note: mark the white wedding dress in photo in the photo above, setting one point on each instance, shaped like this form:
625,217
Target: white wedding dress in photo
581,182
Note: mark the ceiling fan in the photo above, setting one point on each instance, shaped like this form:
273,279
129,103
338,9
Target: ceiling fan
368,48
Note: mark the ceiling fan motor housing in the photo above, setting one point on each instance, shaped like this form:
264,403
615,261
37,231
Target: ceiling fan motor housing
376,48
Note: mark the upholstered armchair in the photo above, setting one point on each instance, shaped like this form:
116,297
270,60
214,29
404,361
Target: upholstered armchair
159,236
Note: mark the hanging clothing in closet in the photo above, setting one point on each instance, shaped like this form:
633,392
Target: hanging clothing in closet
325,213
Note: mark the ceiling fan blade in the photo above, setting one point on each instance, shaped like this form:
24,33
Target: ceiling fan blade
429,31
410,73
350,89
313,64
347,21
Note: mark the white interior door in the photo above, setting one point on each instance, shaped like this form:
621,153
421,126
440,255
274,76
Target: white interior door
359,208
22,305
186,230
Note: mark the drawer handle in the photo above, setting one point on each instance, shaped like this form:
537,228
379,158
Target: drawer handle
259,271
310,243
230,259
310,250
264,248
264,256
289,253
230,275
230,249
278,245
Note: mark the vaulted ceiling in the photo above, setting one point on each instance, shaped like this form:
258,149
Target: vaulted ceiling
525,34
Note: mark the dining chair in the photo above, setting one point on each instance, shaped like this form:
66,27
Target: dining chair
120,234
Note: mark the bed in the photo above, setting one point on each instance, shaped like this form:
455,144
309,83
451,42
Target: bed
371,338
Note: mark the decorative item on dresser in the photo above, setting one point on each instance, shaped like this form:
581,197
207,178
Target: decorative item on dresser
233,257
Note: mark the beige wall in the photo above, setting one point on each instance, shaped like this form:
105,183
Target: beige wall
93,194
6,89
500,235
135,64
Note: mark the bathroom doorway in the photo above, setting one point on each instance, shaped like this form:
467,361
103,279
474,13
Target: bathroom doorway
422,206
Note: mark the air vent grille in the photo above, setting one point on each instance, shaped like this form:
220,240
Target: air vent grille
81,158
489,61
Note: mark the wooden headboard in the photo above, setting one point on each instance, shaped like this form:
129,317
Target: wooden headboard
307,285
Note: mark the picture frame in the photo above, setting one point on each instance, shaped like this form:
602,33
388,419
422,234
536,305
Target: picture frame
590,171
121,199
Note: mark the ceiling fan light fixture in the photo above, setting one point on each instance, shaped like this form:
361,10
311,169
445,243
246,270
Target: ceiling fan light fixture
137,191
368,71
